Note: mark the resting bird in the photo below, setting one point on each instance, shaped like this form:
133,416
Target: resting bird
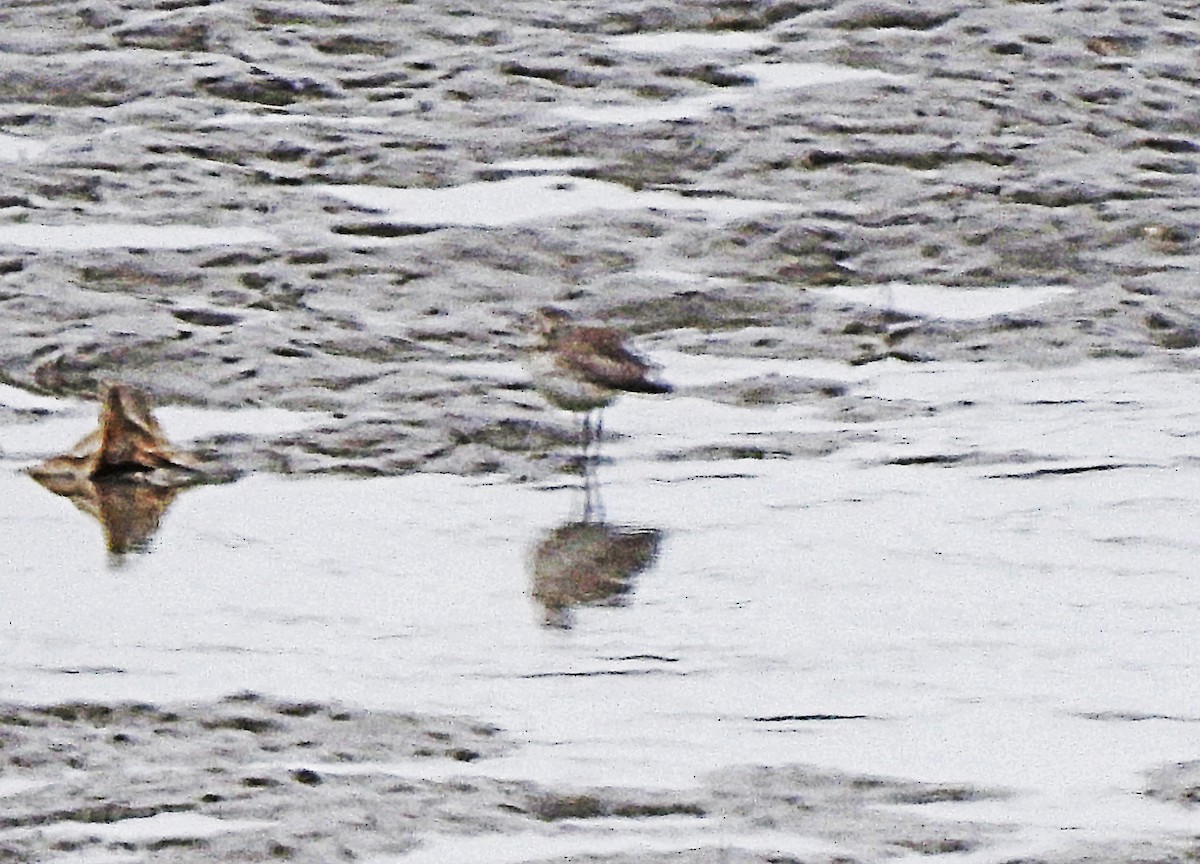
125,473
583,369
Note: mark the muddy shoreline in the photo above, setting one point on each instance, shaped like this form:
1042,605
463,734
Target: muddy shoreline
263,779
1015,144
1027,144
309,781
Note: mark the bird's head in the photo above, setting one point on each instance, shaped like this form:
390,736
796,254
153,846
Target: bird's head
547,320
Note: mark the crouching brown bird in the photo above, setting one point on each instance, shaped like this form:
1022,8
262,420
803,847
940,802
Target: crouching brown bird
125,473
584,368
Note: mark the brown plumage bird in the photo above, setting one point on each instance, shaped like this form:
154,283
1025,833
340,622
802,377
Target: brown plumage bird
581,368
125,473
128,441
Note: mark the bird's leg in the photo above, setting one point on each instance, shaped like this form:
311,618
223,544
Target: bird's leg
585,437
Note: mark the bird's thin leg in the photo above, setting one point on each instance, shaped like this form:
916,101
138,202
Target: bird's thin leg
599,430
585,439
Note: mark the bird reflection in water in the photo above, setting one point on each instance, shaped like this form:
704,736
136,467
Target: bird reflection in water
589,562
125,473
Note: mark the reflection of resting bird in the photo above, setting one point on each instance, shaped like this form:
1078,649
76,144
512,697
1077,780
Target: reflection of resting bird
128,512
589,563
585,368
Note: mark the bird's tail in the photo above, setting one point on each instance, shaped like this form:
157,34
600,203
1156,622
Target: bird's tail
648,386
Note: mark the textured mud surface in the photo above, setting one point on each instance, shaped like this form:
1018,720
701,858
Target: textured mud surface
258,779
1019,143
267,780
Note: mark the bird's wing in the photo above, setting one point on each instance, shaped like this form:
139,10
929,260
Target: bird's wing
602,356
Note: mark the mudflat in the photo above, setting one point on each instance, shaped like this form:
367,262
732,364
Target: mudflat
804,144
352,208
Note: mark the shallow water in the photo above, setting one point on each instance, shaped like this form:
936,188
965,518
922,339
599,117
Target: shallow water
975,573
524,199
997,591
942,301
765,78
52,425
688,41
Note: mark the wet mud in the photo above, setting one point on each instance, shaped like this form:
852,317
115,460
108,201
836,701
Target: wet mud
1018,144
1000,144
261,779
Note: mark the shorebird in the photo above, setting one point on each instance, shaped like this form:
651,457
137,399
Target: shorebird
128,442
125,473
583,369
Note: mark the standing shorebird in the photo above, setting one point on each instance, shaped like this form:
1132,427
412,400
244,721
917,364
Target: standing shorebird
585,368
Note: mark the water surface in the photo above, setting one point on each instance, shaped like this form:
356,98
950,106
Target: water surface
998,592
